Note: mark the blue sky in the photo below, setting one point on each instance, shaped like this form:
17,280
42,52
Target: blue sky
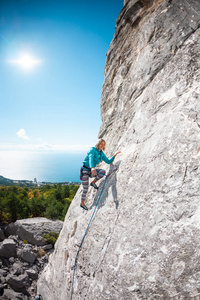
56,103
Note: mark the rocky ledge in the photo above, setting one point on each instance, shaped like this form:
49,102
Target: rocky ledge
24,252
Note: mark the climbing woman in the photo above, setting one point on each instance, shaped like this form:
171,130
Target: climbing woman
92,159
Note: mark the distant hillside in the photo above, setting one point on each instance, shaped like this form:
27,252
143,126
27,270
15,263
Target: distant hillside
9,182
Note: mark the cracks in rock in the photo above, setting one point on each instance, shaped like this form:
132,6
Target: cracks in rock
159,68
104,249
107,242
185,174
136,22
66,256
151,78
152,34
132,15
74,230
191,7
194,169
160,106
188,35
145,139
132,12
179,217
198,125
189,119
137,92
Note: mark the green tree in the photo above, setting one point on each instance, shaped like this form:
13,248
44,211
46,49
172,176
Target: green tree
66,191
12,206
58,193
54,210
37,206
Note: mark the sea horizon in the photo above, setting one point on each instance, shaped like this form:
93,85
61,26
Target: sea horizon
55,166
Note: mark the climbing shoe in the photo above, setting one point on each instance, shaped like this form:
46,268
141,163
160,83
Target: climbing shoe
84,206
94,185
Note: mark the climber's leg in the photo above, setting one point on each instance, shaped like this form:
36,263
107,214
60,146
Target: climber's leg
85,184
100,174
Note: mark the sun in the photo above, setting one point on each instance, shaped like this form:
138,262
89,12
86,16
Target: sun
26,61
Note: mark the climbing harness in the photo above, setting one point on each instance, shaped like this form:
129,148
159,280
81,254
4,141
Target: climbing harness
76,258
84,168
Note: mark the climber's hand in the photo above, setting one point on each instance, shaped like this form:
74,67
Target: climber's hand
117,153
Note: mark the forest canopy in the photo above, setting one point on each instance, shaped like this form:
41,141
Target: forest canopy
50,201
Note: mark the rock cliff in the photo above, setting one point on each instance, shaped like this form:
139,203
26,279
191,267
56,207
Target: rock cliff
144,241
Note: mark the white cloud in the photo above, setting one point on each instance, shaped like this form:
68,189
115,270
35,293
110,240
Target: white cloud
22,134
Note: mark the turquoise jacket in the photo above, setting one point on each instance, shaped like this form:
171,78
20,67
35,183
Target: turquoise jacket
94,157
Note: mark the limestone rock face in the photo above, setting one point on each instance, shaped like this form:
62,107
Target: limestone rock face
144,240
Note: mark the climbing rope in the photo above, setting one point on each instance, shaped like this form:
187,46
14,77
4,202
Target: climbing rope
76,258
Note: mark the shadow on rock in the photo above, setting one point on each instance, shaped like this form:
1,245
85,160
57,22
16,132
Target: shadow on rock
110,183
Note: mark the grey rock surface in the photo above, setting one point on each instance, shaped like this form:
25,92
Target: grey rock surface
12,295
32,274
47,247
2,235
20,265
7,248
27,255
18,283
3,273
144,240
32,229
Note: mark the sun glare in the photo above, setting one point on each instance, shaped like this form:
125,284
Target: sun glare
26,61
